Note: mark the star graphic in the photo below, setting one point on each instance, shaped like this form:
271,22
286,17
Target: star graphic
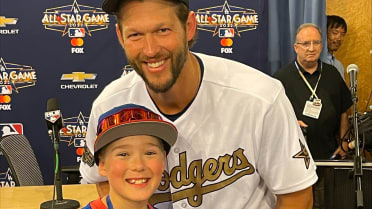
303,153
226,10
80,121
2,65
6,175
75,9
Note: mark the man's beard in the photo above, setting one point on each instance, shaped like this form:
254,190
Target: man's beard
177,59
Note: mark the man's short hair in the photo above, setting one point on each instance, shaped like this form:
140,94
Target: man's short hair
306,25
334,21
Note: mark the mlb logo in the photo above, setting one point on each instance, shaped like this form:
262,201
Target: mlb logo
10,129
5,89
226,33
52,116
76,32
78,142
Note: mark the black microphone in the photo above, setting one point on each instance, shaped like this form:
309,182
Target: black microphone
53,116
352,71
54,121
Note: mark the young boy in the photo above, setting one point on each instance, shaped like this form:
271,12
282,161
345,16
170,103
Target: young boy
130,150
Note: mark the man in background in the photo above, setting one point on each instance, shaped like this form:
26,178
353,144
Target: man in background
320,99
336,31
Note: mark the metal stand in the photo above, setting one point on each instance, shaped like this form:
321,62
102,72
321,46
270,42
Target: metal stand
60,203
358,169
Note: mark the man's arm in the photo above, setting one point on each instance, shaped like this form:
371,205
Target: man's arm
344,126
295,166
302,199
103,188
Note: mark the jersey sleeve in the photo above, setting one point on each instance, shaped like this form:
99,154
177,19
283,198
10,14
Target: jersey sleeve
88,168
284,162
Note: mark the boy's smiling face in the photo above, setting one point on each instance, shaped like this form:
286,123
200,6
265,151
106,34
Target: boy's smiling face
133,166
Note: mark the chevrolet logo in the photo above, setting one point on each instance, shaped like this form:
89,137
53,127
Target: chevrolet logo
10,21
79,76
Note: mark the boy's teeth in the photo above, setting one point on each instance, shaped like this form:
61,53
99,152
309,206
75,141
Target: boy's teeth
155,64
137,181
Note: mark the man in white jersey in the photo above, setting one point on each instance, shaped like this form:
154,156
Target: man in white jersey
239,145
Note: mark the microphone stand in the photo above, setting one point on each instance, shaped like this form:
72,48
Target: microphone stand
60,203
358,169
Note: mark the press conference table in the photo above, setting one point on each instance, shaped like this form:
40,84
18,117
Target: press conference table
30,197
341,163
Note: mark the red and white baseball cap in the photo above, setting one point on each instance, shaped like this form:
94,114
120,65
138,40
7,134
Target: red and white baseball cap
132,120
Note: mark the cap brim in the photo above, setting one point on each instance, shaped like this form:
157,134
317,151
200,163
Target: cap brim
163,130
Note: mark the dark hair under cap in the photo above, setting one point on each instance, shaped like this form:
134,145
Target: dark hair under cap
112,6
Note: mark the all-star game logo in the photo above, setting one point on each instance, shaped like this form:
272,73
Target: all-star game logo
14,77
227,22
74,133
6,179
76,21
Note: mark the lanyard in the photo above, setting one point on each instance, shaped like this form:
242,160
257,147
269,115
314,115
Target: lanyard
307,83
109,203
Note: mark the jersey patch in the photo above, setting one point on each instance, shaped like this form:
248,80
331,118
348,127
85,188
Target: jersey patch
88,157
303,153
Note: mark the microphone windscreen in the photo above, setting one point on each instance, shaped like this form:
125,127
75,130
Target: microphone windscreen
352,67
52,104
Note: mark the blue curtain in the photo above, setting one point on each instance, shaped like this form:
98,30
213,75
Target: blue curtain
285,16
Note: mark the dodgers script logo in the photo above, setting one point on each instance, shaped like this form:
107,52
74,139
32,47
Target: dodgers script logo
227,21
76,21
200,178
14,77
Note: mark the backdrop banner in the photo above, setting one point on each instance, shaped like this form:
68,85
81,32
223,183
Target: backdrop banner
68,49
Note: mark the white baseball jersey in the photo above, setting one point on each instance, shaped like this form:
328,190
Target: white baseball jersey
239,142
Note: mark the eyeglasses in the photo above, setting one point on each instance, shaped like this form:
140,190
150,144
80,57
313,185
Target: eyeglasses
307,44
128,115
